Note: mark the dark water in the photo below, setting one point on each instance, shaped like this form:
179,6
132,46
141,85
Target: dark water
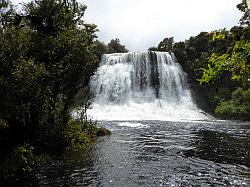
156,153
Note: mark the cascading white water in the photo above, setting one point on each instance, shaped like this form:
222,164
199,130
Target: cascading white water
141,86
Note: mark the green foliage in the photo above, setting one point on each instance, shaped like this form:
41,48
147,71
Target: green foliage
216,69
219,35
235,62
3,124
114,46
243,7
48,17
45,59
6,13
81,133
21,161
100,49
165,45
193,54
47,56
236,108
215,97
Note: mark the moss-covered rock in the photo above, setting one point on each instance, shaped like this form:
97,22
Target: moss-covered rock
102,131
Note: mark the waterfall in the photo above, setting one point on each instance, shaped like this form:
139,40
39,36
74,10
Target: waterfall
141,86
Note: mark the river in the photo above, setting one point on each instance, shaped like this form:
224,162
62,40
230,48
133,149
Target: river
157,153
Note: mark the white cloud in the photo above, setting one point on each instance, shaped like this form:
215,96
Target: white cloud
143,23
140,24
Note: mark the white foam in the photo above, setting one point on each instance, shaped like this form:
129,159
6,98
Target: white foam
134,125
133,86
145,111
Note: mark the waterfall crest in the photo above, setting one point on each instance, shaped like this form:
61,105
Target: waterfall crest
141,86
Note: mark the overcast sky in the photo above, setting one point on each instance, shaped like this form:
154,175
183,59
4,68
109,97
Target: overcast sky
140,24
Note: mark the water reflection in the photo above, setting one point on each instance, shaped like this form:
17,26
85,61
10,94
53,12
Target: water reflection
221,147
73,169
157,154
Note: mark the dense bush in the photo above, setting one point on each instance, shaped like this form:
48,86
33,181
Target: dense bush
21,161
236,108
47,55
114,46
81,134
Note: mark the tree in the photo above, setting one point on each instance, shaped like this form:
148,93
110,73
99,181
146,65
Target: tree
243,7
6,13
233,65
234,62
114,46
45,59
100,48
166,44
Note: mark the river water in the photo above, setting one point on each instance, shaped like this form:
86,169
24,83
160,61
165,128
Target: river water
158,153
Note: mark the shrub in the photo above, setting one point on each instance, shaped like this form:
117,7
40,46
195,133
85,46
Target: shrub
236,108
21,161
82,133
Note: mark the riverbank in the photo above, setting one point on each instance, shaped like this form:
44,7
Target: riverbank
155,153
19,160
